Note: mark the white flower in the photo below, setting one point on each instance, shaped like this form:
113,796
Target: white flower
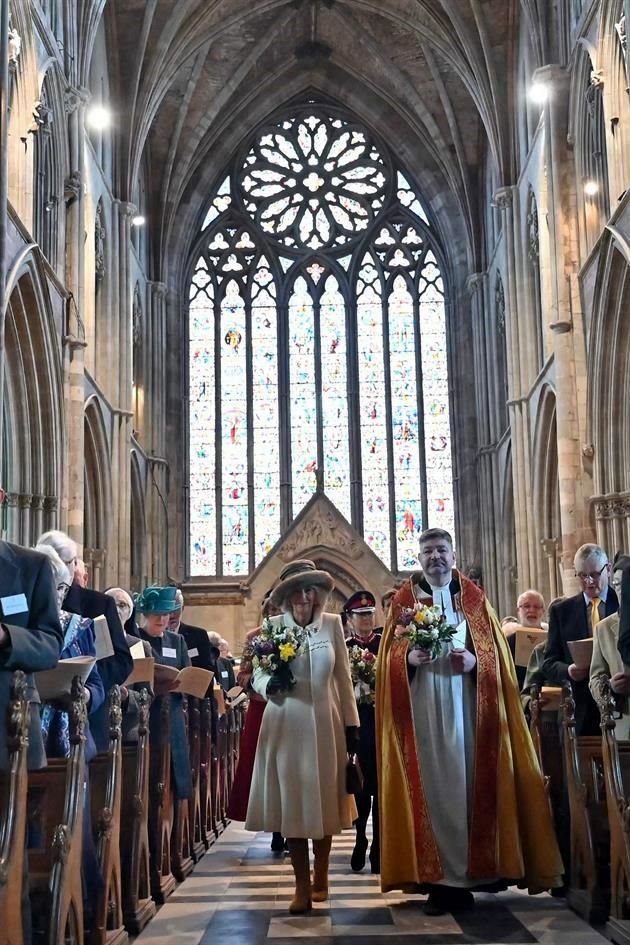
435,634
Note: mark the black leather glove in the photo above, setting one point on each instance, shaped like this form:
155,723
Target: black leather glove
274,686
352,739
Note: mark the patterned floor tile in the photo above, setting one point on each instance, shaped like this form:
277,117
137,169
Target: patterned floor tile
241,891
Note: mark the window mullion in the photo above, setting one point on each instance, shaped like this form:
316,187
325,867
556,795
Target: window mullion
424,495
390,432
354,415
319,396
284,413
218,437
251,534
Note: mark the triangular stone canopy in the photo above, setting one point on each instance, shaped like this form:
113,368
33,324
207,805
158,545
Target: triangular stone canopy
320,532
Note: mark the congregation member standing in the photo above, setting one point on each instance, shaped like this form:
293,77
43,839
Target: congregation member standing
114,669
576,618
530,610
201,652
154,607
307,732
462,798
360,610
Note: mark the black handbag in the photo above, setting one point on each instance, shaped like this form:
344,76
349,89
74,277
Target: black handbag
354,776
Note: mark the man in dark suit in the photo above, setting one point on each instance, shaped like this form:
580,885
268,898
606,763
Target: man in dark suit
575,619
30,639
30,635
201,651
114,669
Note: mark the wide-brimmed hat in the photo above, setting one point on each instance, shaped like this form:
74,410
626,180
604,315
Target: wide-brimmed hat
297,574
157,600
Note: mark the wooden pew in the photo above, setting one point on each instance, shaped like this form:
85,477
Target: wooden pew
182,860
616,757
138,904
220,763
589,879
205,773
13,786
194,747
105,795
56,798
160,801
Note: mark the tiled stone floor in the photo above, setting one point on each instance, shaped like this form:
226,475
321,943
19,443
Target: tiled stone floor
240,892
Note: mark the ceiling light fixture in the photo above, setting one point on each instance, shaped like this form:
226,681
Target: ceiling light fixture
591,188
138,220
538,93
99,118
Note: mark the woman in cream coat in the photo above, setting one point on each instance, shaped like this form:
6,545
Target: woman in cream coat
299,782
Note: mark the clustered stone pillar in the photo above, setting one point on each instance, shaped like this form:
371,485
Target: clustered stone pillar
4,183
123,413
155,401
561,207
74,338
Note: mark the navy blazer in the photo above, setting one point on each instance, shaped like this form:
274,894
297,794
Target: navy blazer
113,669
35,635
180,757
568,621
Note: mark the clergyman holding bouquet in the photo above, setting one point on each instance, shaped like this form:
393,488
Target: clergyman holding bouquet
462,798
309,728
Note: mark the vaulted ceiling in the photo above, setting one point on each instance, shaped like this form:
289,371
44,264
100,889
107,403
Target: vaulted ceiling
197,76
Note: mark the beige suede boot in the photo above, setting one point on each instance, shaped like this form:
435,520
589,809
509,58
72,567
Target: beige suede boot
321,848
302,902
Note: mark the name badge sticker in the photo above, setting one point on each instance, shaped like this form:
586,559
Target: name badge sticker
194,652
169,653
16,604
225,674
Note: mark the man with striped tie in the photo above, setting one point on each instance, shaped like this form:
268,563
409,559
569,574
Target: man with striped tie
575,618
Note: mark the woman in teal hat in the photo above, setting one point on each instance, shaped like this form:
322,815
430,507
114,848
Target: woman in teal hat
154,607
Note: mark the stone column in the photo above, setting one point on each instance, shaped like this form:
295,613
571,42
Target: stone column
74,340
504,199
120,559
561,215
4,183
477,286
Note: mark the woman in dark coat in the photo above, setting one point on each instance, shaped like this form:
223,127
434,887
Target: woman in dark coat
154,608
359,610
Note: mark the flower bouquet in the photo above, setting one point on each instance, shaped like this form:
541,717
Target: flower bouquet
425,627
273,651
363,672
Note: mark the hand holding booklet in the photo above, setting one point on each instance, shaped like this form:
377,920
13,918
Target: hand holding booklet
54,684
190,681
526,639
581,651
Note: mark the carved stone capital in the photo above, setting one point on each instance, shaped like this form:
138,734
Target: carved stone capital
561,327
475,281
73,98
72,187
159,289
25,501
549,546
126,209
51,503
503,198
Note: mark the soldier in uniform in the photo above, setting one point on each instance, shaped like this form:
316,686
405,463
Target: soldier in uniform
360,611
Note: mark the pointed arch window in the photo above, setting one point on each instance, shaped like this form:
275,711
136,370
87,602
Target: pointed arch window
317,329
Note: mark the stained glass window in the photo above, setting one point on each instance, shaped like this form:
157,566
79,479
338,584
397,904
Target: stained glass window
318,356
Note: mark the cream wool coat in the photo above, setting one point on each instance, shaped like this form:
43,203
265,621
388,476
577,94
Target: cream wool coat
299,781
606,660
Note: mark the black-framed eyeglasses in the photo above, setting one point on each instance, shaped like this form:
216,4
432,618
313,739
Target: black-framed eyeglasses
592,577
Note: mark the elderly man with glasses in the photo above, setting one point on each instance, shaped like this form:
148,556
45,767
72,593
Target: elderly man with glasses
575,618
607,660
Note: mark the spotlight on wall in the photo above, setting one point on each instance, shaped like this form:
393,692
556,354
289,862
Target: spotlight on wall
99,118
138,220
591,188
538,93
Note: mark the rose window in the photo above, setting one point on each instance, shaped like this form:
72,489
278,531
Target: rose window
314,182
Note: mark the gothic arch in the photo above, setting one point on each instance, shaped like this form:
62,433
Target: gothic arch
587,128
546,495
609,368
97,498
138,523
33,415
506,547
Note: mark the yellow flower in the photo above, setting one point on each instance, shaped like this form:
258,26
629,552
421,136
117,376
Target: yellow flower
287,652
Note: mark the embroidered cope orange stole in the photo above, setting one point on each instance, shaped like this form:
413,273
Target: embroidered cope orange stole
511,835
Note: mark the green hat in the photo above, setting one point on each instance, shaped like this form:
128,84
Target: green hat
157,600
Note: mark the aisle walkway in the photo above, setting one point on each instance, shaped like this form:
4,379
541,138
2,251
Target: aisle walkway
240,893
